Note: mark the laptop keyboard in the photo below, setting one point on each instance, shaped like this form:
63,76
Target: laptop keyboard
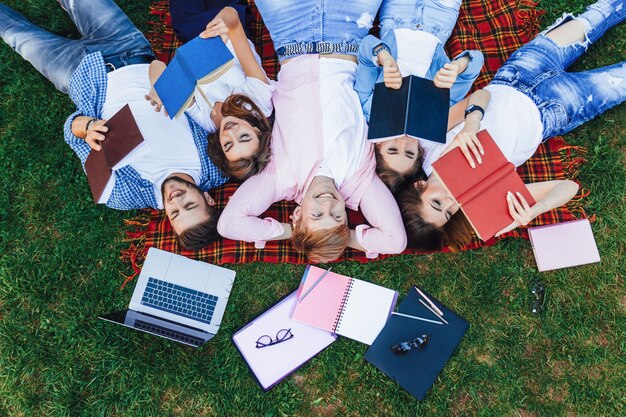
179,300
161,331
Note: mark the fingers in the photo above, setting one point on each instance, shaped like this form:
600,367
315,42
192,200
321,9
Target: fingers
472,146
516,210
215,28
392,76
93,144
523,201
468,154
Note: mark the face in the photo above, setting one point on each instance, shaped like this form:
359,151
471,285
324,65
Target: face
438,205
238,139
322,208
184,203
399,154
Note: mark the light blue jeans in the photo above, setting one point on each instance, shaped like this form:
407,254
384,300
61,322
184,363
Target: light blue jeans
313,21
436,17
103,25
568,99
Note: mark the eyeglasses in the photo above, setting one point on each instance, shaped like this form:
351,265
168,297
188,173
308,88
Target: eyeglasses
282,336
538,301
419,342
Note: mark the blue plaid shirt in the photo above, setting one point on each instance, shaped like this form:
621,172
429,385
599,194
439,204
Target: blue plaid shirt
88,86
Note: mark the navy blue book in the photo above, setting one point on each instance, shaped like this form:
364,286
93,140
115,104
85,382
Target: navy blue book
417,110
196,62
411,361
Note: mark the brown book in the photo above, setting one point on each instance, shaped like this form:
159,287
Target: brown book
122,139
481,191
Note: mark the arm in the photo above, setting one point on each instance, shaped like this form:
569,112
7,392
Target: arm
227,22
386,234
466,139
472,65
369,72
154,72
240,218
547,194
90,129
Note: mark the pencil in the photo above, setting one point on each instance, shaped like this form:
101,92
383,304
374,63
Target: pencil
429,301
433,311
314,284
415,317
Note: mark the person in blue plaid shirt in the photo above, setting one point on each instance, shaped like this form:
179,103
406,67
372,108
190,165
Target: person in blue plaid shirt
103,71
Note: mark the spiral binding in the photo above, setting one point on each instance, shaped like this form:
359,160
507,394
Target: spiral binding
344,300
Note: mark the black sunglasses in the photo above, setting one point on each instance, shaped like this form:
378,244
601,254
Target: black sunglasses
538,300
419,342
281,336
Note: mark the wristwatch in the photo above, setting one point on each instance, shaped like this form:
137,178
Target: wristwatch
378,49
472,108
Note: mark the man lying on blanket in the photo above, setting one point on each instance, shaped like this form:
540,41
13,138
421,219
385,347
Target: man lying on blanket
102,72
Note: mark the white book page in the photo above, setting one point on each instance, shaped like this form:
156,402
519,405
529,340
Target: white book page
366,311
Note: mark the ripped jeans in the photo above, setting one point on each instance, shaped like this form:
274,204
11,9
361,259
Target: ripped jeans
436,17
317,22
568,99
104,28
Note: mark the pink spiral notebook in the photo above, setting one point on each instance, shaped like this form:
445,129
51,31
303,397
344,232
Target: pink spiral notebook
346,306
563,245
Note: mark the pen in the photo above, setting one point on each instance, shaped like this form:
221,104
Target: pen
433,311
429,301
314,284
415,317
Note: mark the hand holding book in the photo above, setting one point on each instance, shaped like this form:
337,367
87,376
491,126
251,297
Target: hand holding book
95,134
467,141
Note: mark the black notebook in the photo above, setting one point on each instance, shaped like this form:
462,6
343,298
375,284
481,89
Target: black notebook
417,370
418,110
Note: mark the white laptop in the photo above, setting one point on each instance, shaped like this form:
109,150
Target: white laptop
177,298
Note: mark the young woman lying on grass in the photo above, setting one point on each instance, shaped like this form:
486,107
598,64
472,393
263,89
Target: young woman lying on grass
239,102
411,43
320,155
531,98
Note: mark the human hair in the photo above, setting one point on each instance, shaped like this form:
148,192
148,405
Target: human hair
242,107
426,236
392,178
321,245
202,234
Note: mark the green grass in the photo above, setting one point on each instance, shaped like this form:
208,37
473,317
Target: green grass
60,268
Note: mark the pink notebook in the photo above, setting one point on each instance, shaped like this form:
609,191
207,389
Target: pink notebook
563,245
346,306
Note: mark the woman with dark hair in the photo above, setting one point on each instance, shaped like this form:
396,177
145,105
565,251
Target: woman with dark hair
531,98
320,155
234,108
412,38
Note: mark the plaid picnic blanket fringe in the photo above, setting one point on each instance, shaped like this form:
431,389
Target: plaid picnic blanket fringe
496,27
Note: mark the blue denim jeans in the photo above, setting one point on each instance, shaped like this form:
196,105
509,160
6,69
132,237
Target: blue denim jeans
103,25
312,21
568,99
436,17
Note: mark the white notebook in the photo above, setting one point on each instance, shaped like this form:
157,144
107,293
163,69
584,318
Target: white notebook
563,245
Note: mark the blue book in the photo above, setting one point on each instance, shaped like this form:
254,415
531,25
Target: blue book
196,62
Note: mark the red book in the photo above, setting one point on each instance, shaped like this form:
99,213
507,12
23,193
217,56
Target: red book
481,191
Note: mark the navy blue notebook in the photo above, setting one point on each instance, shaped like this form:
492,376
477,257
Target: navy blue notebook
417,110
197,61
417,369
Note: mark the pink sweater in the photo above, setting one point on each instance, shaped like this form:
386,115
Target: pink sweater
297,150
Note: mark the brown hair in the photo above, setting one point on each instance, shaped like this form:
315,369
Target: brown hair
242,107
393,179
202,234
321,245
426,236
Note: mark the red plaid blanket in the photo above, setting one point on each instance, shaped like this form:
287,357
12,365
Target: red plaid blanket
496,27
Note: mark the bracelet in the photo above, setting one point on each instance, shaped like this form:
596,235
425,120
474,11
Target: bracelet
378,49
89,123
473,107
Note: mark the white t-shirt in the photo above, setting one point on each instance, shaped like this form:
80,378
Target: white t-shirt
233,81
513,121
170,142
415,51
343,123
